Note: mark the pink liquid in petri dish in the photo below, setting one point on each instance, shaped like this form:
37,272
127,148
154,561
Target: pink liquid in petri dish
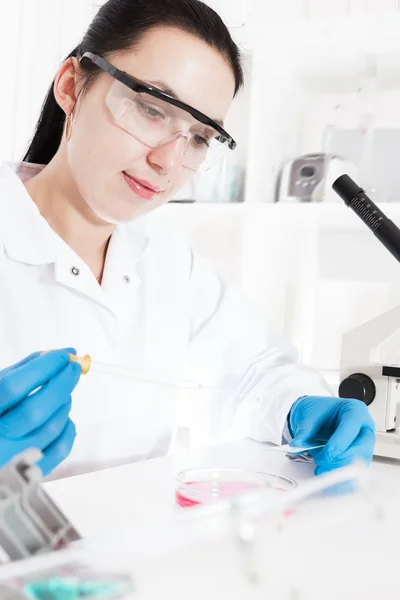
207,491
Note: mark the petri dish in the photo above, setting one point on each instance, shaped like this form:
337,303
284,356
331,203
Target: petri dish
208,485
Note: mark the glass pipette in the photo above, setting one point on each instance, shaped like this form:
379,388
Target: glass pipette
88,364
100,367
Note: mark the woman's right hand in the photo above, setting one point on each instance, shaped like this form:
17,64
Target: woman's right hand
35,402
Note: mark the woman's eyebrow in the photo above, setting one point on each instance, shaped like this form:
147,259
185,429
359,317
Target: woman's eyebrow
170,92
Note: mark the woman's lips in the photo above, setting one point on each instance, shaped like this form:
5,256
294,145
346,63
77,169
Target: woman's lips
141,188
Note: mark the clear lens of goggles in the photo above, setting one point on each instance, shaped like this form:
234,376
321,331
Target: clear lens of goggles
155,122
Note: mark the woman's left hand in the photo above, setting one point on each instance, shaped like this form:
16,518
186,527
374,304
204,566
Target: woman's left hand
344,424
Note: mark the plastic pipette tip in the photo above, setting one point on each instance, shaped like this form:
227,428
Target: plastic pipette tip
84,361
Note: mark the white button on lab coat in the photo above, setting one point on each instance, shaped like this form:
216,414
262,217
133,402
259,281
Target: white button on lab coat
161,310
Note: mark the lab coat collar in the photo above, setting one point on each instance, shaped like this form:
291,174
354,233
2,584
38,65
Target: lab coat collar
120,278
29,239
26,235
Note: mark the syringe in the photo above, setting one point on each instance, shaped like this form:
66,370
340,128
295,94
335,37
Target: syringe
106,368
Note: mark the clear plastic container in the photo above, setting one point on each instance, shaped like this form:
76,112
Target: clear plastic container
208,485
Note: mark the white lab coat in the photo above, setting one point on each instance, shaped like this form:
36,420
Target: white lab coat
161,310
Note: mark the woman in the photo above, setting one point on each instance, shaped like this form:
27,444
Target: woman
133,112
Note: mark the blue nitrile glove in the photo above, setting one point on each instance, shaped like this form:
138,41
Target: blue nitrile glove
344,424
39,419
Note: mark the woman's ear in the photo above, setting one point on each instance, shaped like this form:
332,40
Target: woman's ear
66,85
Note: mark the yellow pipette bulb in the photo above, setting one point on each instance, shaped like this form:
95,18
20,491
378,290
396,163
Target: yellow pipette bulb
84,361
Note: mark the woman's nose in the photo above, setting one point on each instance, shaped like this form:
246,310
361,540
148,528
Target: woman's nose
168,158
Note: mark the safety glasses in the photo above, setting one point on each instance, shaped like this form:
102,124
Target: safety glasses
155,119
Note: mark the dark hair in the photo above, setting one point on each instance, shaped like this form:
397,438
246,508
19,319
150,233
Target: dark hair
120,25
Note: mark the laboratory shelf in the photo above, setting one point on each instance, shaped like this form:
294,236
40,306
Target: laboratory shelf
328,211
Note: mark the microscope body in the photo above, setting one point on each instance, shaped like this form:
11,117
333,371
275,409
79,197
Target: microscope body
370,372
370,361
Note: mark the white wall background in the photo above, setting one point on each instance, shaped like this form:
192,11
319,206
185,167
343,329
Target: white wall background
35,36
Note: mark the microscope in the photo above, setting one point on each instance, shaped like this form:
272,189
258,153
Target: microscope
370,357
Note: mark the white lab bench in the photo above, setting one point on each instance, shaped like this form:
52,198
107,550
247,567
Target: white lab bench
117,497
136,499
